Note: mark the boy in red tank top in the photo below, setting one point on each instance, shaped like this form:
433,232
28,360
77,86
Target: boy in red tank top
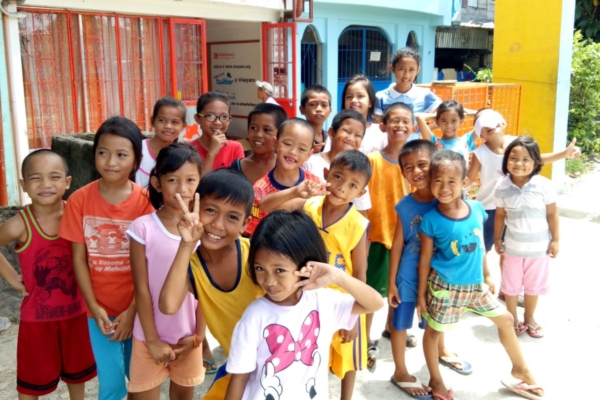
53,340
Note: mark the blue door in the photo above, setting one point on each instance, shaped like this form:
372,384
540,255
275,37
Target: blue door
364,50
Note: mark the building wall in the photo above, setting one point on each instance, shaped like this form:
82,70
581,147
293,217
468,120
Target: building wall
482,12
330,20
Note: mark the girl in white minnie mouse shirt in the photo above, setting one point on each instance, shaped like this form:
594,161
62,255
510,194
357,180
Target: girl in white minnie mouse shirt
280,346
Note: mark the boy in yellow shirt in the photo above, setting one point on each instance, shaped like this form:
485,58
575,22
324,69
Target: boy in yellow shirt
216,271
387,186
344,231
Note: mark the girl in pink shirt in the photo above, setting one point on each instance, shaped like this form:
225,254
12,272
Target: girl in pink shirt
165,345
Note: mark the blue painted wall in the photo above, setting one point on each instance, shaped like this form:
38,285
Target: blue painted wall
331,17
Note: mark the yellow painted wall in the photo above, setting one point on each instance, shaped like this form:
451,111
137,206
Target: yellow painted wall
526,51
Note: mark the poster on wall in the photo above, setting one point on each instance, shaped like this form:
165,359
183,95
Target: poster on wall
235,67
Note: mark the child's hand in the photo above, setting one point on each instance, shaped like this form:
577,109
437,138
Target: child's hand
319,275
393,295
18,285
104,323
490,282
498,246
553,249
190,228
183,348
308,189
421,308
318,147
572,152
217,141
160,351
123,325
349,336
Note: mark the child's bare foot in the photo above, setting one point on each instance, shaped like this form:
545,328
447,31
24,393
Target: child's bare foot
439,391
410,384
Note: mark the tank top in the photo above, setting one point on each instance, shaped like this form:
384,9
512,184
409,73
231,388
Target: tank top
47,269
341,237
490,171
142,176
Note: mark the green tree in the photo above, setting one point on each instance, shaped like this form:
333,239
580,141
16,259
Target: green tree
584,107
587,18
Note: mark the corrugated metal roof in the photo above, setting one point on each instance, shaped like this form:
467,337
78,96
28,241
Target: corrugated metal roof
461,38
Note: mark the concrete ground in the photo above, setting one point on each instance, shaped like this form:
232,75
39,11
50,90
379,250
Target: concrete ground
563,361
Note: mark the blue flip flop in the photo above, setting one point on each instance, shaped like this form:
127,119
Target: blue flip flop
417,384
467,368
210,370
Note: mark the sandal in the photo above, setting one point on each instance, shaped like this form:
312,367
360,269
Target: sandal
534,332
520,328
372,353
412,385
212,366
457,365
523,389
441,397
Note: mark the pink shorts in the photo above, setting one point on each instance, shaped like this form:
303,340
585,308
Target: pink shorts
525,273
146,375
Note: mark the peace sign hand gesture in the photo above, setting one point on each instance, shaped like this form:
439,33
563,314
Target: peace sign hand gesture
190,228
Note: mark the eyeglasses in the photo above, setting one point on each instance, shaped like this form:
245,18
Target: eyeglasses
213,117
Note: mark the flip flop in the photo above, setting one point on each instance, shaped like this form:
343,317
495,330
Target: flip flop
520,328
465,369
523,389
411,340
372,353
415,385
441,397
210,370
533,331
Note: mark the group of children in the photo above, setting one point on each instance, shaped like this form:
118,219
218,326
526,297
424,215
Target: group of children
359,209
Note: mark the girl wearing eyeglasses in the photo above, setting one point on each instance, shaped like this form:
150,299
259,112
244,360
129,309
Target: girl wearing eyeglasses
212,115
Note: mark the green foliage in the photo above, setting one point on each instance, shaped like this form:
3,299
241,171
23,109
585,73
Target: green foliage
577,167
584,107
587,18
484,75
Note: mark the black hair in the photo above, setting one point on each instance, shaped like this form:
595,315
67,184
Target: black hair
170,159
394,107
348,114
210,97
41,152
449,105
313,89
295,121
229,185
124,128
290,234
415,146
277,112
168,101
406,52
441,156
355,161
362,79
532,148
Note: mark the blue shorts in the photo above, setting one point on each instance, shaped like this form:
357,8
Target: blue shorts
488,230
112,361
404,315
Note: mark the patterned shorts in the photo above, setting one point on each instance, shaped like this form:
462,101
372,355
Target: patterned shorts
446,302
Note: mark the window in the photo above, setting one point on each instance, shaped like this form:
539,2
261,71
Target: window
363,50
80,68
